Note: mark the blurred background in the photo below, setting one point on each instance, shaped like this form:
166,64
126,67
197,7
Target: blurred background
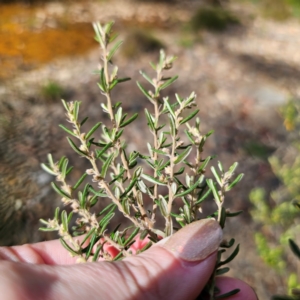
242,59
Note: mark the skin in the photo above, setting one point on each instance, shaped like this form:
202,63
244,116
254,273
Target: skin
46,271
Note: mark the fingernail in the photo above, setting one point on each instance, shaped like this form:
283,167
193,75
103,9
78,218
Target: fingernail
196,241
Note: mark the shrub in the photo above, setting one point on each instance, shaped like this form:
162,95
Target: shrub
143,188
52,91
212,18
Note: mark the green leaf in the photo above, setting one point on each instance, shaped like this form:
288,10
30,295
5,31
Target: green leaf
113,50
222,271
93,241
231,257
172,126
66,246
236,181
220,167
232,168
202,198
108,209
59,191
108,26
183,155
87,236
146,77
147,246
75,148
99,153
187,213
169,107
99,194
97,252
150,120
163,205
180,171
47,229
106,165
128,121
226,295
226,244
132,236
79,182
64,168
152,179
67,130
191,188
98,38
217,176
102,83
83,121
204,164
234,214
48,169
223,217
118,116
95,127
64,220
167,83
56,214
65,105
212,186
105,220
120,80
295,248
144,91
130,187
189,117
76,109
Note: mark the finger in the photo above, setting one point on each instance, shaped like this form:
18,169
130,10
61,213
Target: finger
227,284
51,253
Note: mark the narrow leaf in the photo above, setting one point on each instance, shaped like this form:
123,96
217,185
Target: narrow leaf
212,186
132,236
144,91
79,182
146,77
128,121
106,165
183,155
113,50
67,130
95,127
152,179
295,248
75,148
226,295
231,257
66,246
189,117
167,83
48,169
60,191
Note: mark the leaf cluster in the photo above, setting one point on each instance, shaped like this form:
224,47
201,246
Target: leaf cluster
175,160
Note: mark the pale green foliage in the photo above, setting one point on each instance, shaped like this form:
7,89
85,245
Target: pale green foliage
279,215
177,176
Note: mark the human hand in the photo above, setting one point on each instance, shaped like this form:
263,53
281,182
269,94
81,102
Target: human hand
175,268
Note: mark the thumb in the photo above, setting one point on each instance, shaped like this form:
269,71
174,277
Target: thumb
177,268
174,269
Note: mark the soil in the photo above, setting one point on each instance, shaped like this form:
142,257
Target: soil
241,77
